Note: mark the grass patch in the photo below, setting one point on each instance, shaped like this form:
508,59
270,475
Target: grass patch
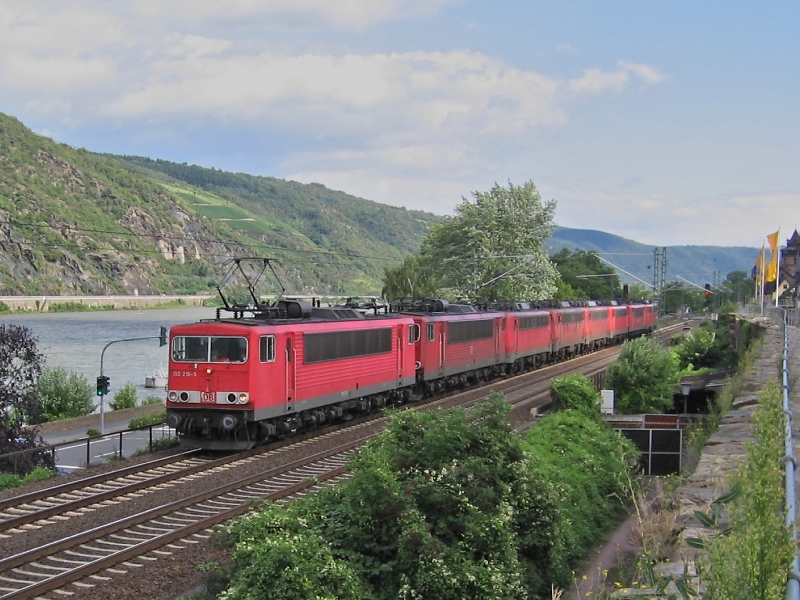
9,480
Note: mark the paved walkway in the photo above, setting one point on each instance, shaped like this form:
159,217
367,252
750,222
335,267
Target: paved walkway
68,430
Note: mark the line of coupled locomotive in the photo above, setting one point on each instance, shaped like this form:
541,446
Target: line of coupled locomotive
254,374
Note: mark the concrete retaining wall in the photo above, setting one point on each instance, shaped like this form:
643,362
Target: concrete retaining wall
43,303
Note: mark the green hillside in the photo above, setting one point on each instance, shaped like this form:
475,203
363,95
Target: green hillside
72,221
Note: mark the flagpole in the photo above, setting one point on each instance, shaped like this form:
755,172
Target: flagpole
763,279
777,266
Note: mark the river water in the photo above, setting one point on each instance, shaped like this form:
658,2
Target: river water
75,342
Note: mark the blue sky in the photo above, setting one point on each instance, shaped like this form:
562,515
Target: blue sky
664,122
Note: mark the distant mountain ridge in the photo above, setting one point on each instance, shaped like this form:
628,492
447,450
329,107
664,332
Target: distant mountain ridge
697,264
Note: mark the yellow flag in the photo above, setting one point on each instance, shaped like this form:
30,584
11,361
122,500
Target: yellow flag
761,263
772,267
772,238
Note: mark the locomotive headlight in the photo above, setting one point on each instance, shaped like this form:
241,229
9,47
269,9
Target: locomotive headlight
244,398
231,398
172,396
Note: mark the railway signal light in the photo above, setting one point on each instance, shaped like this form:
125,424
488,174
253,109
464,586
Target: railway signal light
707,293
102,385
162,337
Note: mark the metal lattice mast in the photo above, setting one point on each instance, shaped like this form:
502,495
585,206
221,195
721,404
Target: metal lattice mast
660,277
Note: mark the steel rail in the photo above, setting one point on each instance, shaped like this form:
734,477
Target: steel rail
220,509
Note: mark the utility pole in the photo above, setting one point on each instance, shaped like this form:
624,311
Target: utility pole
103,380
660,278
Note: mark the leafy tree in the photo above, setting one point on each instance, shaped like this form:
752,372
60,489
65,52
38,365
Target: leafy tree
412,279
576,392
493,247
678,294
64,394
21,363
640,292
585,273
125,398
643,378
738,287
700,350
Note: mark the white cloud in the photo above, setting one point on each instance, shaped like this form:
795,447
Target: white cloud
746,218
597,81
299,14
419,129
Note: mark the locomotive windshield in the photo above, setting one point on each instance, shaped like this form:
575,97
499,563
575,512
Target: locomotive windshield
209,349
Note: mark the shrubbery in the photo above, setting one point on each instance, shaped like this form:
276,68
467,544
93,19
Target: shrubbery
575,392
147,420
442,505
643,378
64,394
125,398
753,557
9,480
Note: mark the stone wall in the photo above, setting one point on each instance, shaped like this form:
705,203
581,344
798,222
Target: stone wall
43,303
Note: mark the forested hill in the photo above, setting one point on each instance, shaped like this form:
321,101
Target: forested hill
331,219
72,221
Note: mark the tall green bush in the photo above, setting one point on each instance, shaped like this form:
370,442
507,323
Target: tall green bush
643,378
124,398
64,394
585,465
575,392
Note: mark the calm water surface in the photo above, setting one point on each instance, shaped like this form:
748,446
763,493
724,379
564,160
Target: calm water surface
75,341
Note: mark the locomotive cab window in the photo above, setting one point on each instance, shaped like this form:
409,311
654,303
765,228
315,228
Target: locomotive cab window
190,348
228,349
209,349
267,348
413,334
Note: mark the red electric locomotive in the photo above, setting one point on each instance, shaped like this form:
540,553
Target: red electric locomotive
237,381
528,336
642,319
569,330
458,344
619,323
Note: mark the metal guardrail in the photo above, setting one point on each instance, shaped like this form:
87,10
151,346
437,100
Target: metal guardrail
52,449
793,580
788,318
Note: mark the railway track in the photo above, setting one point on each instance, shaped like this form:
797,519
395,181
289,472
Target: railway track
52,566
148,512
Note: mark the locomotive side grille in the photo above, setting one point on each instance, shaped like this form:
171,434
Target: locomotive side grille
335,345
